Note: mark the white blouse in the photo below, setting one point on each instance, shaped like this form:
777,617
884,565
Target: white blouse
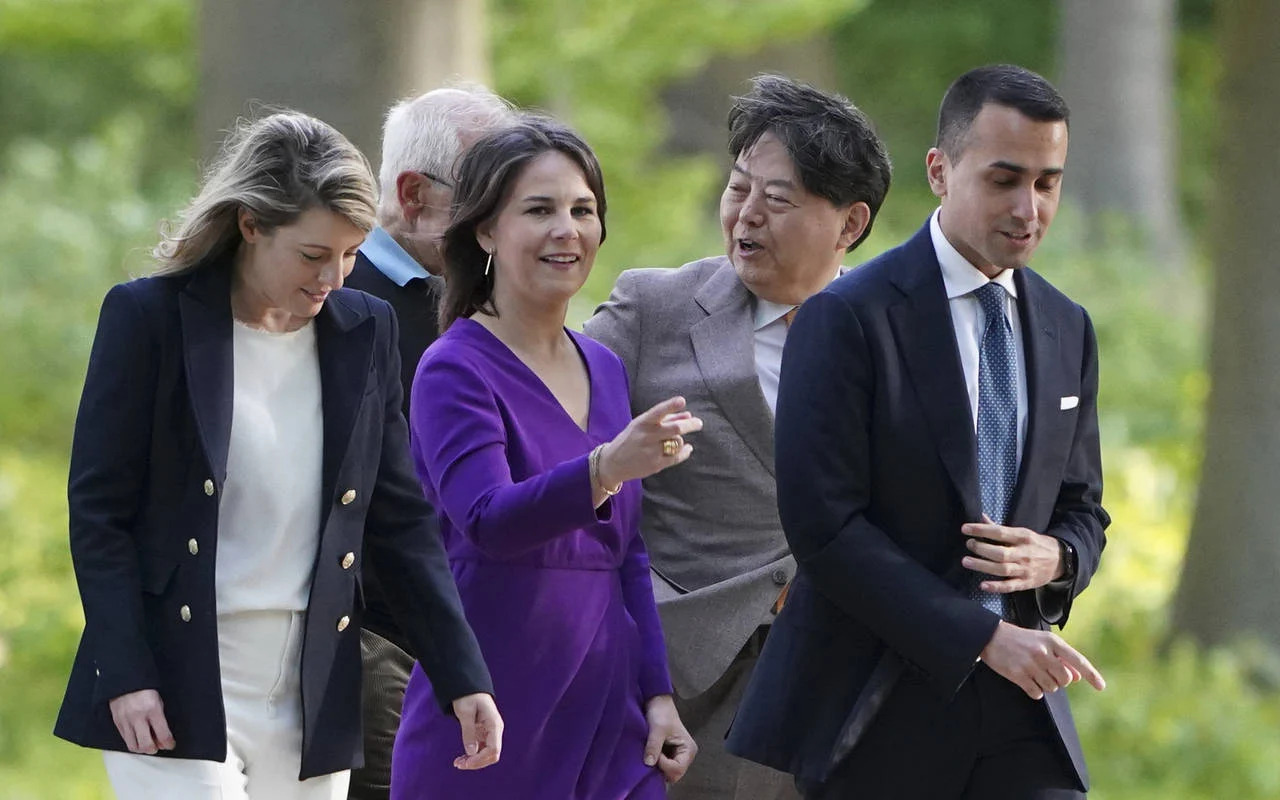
269,514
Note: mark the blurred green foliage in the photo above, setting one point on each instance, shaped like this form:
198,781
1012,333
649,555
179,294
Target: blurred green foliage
97,145
612,60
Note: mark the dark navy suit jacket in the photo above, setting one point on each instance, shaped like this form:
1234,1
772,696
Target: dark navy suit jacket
877,470
415,310
148,463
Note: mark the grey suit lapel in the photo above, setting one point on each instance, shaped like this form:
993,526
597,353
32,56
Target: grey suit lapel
724,346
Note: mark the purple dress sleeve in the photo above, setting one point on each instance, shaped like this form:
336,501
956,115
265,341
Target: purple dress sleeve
459,429
637,593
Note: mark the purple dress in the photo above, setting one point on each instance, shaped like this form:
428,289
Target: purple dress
558,592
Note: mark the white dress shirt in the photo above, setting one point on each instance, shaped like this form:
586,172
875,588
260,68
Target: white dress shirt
961,279
770,337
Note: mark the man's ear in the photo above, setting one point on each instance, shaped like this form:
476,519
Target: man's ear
936,166
857,221
409,194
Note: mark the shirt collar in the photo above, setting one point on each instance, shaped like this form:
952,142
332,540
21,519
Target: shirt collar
958,275
768,312
391,259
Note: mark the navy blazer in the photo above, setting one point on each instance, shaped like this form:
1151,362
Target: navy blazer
877,470
415,311
148,463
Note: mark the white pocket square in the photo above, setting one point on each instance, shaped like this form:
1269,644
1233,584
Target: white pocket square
1069,402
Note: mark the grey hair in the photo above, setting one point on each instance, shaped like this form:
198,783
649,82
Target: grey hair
277,168
425,134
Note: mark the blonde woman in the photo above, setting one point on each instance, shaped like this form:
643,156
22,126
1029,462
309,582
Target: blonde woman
239,433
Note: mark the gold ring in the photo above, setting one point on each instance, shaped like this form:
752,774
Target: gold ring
671,447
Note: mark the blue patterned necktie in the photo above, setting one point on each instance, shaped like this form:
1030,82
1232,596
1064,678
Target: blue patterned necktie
997,425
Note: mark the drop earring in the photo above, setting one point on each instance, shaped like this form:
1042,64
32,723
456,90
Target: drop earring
488,264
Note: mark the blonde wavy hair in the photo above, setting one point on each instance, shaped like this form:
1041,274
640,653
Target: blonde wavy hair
276,167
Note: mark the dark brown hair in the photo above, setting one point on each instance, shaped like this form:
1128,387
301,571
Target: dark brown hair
486,176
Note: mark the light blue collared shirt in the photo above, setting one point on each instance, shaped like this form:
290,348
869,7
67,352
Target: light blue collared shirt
391,259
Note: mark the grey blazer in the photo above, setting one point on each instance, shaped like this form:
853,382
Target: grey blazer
710,524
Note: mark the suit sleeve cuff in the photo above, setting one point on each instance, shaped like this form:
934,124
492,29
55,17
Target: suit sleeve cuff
1053,600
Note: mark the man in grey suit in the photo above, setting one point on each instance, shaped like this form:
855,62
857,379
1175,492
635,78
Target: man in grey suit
808,177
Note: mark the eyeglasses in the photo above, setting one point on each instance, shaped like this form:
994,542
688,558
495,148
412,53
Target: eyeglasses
435,179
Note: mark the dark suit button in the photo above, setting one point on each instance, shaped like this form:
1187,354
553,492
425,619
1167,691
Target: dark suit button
780,577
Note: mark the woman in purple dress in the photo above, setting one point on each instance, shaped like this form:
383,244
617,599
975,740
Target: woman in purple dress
524,441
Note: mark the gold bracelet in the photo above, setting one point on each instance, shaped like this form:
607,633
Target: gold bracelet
594,465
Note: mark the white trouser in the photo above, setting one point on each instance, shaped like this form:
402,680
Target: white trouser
259,653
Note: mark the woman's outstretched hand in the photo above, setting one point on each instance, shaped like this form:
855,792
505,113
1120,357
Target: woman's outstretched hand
650,443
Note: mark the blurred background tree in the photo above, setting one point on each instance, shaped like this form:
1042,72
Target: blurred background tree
111,105
343,62
1228,588
1117,67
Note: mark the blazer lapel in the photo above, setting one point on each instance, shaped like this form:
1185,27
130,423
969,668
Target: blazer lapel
204,308
724,346
344,338
1040,347
922,325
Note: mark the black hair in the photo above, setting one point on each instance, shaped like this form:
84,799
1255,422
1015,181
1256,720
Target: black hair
834,146
1002,84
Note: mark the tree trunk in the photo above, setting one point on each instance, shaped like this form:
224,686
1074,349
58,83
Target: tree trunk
1117,74
698,106
1229,584
341,61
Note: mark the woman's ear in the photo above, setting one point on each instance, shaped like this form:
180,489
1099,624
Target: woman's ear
484,236
248,225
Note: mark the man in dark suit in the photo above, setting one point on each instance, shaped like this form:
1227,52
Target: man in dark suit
939,482
401,262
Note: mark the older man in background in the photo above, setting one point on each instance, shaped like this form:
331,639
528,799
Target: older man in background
808,177
401,262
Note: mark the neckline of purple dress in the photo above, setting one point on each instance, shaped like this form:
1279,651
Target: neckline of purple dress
479,331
